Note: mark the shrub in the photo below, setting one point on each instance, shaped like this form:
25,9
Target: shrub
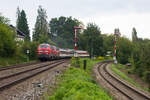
100,58
78,84
7,41
147,77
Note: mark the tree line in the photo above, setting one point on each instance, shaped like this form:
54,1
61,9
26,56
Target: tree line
59,31
135,51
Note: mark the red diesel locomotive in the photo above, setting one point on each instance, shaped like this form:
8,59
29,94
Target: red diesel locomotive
50,52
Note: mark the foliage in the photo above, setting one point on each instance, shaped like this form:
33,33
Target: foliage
22,23
11,52
3,20
78,85
20,55
124,50
7,41
75,62
41,26
115,69
124,47
141,59
62,31
108,44
92,40
147,77
134,35
45,39
122,75
5,61
32,47
100,58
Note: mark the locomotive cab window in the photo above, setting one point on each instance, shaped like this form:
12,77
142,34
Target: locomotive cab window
43,46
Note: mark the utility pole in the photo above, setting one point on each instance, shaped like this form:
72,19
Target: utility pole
75,45
116,33
91,49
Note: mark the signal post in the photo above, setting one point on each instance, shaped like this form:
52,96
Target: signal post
75,45
116,33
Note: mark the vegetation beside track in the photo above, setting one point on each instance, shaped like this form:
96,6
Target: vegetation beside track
20,55
13,61
13,51
78,84
116,70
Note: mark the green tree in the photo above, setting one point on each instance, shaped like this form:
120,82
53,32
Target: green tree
108,43
92,40
22,23
134,35
18,16
7,41
62,31
3,20
41,25
124,50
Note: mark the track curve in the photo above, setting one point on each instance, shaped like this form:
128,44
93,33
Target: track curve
125,89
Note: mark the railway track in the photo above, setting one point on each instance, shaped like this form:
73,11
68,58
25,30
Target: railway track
12,79
19,65
130,92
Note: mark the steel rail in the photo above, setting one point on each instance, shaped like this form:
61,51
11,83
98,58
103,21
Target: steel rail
102,69
18,66
12,80
27,70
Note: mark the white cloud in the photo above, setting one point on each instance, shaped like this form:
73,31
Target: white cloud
108,14
125,22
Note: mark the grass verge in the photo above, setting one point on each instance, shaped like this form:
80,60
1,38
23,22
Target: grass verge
78,84
13,61
116,70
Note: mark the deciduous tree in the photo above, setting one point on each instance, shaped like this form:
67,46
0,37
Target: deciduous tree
41,25
92,40
62,31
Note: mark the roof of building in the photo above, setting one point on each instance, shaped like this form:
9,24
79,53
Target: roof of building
18,31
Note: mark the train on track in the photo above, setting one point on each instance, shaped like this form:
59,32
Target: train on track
50,52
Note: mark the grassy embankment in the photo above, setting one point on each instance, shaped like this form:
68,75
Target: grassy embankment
12,61
77,84
116,70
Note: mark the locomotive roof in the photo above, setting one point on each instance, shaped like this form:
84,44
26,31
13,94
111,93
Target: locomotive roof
44,44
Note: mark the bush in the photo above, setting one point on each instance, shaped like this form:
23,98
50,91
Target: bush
100,58
147,77
31,46
7,41
78,85
75,62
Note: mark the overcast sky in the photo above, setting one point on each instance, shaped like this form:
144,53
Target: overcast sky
107,14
